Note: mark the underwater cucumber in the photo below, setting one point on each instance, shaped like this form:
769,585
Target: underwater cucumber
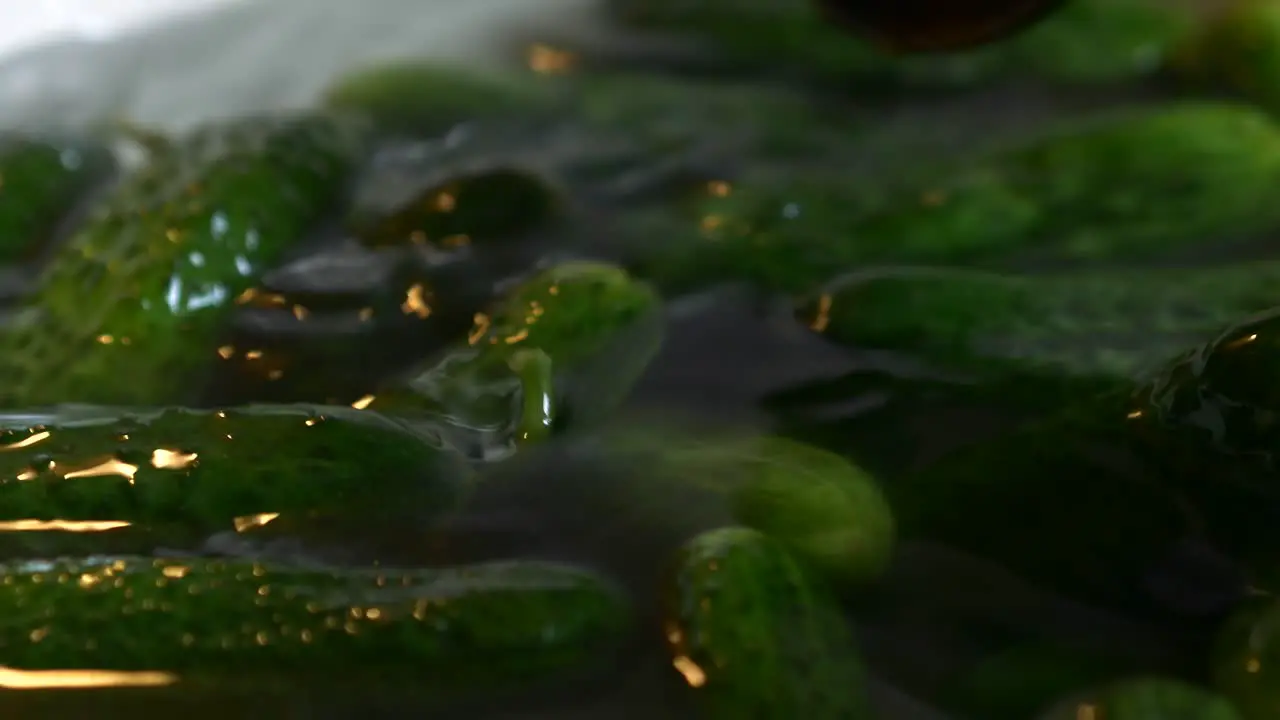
1146,698
184,474
577,333
755,638
1124,186
1087,41
473,627
1104,324
128,311
41,182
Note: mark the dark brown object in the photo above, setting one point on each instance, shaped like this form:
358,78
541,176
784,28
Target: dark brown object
927,26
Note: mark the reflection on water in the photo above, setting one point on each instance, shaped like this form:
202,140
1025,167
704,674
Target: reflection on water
672,360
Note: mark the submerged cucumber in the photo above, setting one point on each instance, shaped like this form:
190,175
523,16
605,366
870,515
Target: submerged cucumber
1109,325
187,473
41,181
1136,185
755,638
1146,698
472,627
1087,41
128,311
581,332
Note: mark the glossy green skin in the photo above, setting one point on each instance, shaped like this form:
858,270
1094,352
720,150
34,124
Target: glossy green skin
1096,324
479,207
765,640
179,475
418,98
463,628
141,291
583,323
1148,699
1132,186
39,180
1088,41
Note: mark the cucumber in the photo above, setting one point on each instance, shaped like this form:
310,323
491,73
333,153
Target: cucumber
1099,324
578,332
183,474
755,638
1125,186
42,180
1078,503
473,627
422,98
1146,698
1088,41
129,310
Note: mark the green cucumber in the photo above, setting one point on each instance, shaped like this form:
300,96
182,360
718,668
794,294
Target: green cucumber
755,638
1133,185
41,182
1088,41
129,310
1146,698
473,627
420,98
1093,324
577,332
183,474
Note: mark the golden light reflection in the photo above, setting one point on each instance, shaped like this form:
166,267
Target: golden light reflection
1086,711
480,328
106,467
415,302
249,522
74,526
694,675
13,679
364,402
28,441
172,459
822,318
719,188
546,60
226,352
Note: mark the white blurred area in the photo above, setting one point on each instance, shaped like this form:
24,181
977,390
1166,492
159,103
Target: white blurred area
27,23
171,63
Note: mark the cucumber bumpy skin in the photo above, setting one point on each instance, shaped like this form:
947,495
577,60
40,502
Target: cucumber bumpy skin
128,311
187,473
41,183
586,325
1082,324
755,638
476,626
1121,187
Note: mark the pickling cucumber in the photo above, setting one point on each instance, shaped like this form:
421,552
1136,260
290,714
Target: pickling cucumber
1087,41
1099,324
187,473
578,332
129,309
1133,185
41,182
1145,698
474,627
755,638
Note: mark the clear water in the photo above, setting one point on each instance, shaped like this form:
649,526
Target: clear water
725,348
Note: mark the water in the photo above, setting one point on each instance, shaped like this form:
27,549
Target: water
734,361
